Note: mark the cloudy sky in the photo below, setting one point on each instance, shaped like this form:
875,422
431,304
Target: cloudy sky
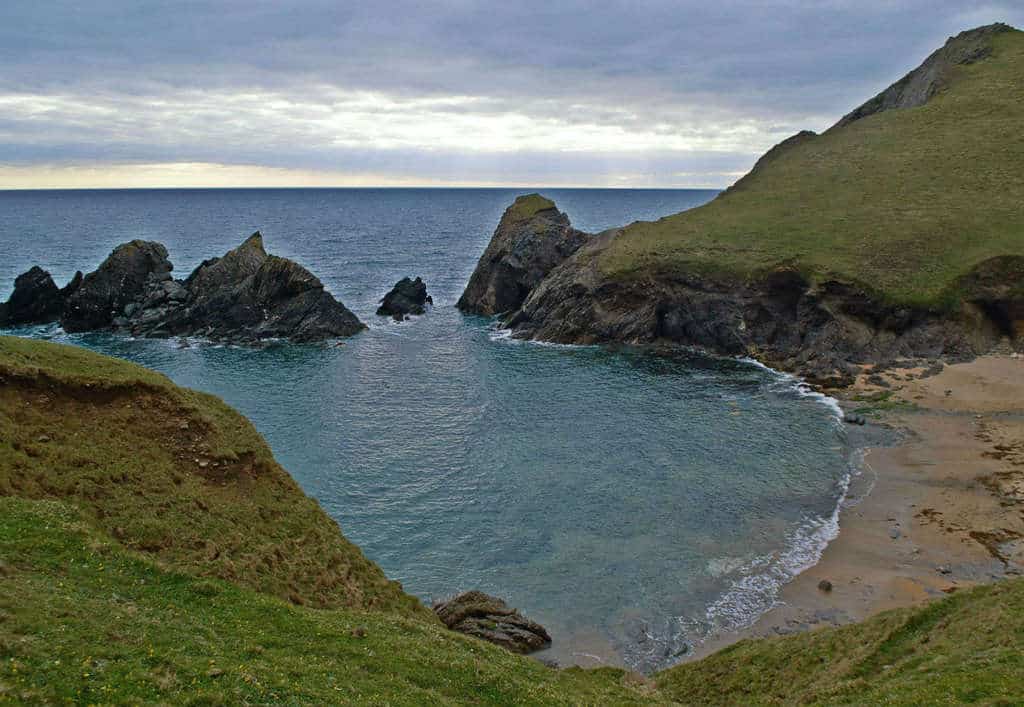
258,92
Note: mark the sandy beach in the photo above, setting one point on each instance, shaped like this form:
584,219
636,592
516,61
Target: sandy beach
938,510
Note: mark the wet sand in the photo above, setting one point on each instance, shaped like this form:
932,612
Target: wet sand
940,510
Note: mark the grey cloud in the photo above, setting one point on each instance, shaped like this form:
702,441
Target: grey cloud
662,67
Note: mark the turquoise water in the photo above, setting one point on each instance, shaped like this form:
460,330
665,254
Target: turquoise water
634,504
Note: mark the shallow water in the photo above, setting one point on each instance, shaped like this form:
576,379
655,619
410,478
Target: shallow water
631,503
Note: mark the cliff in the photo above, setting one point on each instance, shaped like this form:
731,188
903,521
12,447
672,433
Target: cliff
898,233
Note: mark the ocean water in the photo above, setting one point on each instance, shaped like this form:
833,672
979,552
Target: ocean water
634,504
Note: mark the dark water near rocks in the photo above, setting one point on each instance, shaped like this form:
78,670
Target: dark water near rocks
633,504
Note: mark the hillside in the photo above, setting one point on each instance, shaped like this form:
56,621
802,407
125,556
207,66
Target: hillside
903,201
112,588
897,234
173,473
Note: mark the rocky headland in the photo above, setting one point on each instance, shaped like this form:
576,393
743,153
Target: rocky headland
244,296
830,255
531,239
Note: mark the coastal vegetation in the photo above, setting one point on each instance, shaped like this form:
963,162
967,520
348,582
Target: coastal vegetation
904,202
151,550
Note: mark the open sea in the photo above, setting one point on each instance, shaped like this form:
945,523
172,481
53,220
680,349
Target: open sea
631,503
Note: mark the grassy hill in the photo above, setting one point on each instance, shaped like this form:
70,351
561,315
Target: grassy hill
903,202
174,473
130,573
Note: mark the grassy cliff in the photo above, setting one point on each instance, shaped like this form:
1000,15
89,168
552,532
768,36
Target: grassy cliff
903,201
132,573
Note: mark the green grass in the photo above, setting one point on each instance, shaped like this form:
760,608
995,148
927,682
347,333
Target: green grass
903,203
966,649
527,206
85,621
174,473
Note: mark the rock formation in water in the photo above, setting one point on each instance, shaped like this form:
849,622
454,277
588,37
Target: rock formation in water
481,615
36,299
405,298
531,239
244,297
118,282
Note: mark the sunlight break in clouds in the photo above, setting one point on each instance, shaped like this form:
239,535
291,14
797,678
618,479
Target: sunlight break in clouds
223,93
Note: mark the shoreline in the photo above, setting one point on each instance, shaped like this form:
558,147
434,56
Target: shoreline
936,508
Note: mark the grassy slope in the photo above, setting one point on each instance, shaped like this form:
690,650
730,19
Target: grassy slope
903,202
82,619
91,611
174,473
964,649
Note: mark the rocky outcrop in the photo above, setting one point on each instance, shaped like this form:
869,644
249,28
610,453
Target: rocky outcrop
244,297
405,298
531,239
35,300
934,75
822,331
120,279
481,615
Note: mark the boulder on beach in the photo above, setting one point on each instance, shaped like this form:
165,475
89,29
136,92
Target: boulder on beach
406,297
532,238
484,616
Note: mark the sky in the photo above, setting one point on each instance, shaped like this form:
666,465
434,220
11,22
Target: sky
640,93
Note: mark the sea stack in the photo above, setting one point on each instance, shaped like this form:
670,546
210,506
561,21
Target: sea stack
405,298
531,239
243,297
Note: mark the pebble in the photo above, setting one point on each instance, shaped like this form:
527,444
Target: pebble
825,585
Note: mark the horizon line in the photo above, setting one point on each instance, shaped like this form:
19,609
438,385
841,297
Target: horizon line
363,187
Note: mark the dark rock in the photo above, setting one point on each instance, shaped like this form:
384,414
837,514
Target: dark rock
481,615
854,419
406,297
531,239
35,300
246,295
72,287
825,585
120,279
920,85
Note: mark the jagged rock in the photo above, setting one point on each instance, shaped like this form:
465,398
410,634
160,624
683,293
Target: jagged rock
35,300
120,279
931,77
481,615
531,239
246,295
406,297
